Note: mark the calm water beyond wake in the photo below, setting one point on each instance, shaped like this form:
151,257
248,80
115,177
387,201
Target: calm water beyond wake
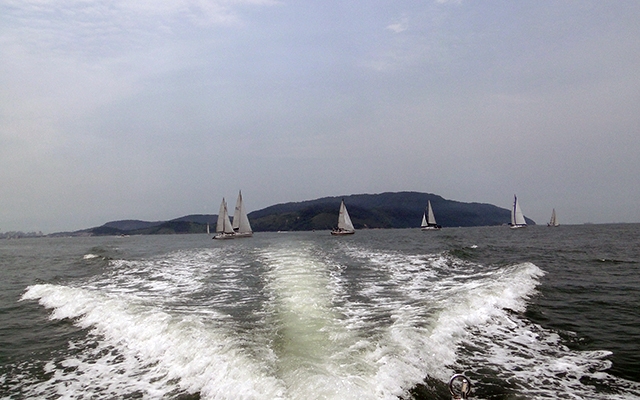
535,313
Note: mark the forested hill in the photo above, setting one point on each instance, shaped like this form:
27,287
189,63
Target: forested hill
384,210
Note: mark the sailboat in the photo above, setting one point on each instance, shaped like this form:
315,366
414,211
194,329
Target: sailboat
517,218
429,220
345,226
240,227
224,229
554,220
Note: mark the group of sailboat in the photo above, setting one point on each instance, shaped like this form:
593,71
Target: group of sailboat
517,217
345,226
239,228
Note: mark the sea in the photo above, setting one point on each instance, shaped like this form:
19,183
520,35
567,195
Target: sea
535,313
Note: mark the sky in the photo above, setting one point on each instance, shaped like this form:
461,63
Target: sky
156,109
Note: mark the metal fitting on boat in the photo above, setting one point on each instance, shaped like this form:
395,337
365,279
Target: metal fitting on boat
460,387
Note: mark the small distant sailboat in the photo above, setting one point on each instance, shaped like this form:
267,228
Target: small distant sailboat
429,220
239,228
554,220
517,217
345,226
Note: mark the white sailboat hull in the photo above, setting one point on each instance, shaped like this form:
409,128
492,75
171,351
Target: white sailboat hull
222,236
243,234
234,235
337,232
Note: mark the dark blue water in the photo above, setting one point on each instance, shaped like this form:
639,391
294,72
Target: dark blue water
530,313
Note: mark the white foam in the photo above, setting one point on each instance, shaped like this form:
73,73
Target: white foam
535,362
317,332
436,307
314,347
142,348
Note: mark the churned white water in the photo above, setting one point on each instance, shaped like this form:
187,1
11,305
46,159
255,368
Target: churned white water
293,320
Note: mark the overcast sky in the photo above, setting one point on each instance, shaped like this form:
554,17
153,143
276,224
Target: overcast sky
155,109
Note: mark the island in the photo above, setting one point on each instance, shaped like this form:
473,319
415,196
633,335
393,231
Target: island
368,211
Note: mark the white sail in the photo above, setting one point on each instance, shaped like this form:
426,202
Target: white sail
344,221
240,219
554,219
517,217
223,226
431,218
345,226
220,223
424,220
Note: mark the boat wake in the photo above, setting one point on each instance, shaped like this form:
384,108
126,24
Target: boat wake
514,357
295,320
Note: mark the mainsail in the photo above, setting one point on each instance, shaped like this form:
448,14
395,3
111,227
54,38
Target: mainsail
554,220
241,223
345,226
517,217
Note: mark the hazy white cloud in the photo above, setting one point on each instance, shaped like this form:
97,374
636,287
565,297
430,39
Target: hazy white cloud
399,26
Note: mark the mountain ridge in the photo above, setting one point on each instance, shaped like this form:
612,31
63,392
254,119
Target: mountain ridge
382,210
